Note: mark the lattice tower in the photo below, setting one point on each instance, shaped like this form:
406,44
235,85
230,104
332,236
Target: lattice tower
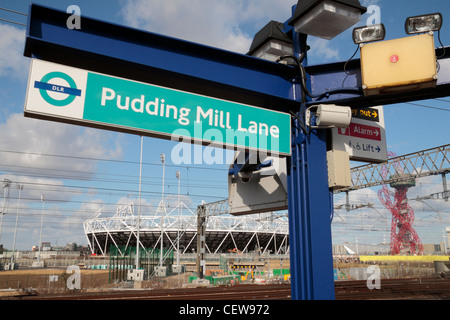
404,239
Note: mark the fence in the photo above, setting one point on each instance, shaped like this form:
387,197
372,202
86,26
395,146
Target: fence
391,271
50,279
122,259
87,262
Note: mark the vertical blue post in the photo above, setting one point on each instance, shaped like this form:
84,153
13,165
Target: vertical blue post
310,209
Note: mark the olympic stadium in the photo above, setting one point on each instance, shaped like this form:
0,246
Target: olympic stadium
257,233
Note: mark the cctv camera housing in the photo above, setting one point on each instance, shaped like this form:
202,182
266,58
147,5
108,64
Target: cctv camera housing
333,116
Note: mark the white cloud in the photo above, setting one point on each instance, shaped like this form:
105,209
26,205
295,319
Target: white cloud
34,187
12,61
322,50
215,23
367,3
27,149
58,222
30,141
229,25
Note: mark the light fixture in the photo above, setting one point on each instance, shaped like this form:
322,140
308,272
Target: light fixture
370,33
423,23
326,18
271,43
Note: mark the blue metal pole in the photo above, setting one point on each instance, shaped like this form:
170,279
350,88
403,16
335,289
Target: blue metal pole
310,209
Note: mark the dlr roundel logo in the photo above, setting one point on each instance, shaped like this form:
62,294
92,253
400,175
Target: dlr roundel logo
62,95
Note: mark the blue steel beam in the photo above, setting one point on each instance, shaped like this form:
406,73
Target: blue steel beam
152,58
148,57
309,207
330,77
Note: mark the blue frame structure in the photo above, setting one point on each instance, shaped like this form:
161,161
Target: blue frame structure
152,58
332,76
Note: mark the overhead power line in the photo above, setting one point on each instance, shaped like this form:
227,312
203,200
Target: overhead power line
439,99
428,107
9,10
108,160
13,22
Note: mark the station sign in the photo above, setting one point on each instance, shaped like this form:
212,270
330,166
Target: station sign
66,94
365,137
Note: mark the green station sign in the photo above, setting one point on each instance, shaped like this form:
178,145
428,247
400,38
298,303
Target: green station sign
68,94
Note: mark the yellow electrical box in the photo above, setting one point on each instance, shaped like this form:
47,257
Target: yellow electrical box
398,65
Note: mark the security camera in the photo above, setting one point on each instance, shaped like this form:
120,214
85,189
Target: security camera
328,116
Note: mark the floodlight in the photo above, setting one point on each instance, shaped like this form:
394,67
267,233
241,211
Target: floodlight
326,18
424,23
371,33
271,43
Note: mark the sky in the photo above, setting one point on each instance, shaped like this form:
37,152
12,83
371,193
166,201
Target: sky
78,170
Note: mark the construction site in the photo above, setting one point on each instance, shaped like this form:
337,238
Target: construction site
179,248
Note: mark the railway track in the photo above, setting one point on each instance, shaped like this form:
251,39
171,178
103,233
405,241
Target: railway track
239,292
390,289
395,289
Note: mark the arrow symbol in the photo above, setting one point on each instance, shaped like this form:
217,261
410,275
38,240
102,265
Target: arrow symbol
375,114
378,149
376,133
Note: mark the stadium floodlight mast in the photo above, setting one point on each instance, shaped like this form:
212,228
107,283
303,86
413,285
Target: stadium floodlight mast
6,190
20,188
163,161
40,233
139,208
177,174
